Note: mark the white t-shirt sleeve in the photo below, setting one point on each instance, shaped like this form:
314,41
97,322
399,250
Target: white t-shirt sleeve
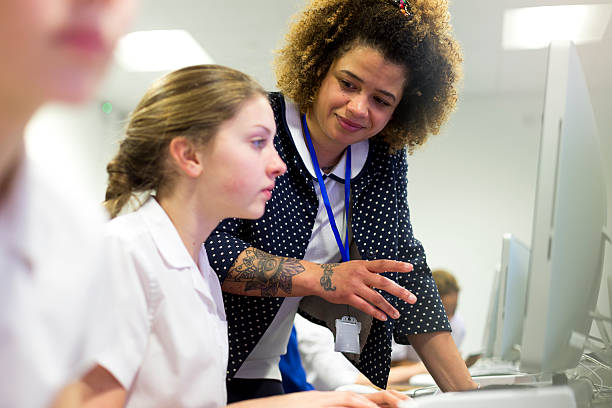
401,352
458,327
325,368
136,301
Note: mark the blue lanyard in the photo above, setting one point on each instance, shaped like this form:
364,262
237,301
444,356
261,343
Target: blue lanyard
344,250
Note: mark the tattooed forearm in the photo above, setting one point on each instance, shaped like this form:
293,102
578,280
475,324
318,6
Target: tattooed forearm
264,272
326,282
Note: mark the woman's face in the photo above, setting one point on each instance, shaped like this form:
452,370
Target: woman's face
57,49
357,97
241,163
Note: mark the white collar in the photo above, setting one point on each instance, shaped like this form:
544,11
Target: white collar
166,237
172,249
359,151
17,215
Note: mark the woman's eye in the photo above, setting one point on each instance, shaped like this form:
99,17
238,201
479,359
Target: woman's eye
381,101
346,84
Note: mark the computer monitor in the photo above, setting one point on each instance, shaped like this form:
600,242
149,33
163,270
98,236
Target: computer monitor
512,297
490,333
570,211
609,279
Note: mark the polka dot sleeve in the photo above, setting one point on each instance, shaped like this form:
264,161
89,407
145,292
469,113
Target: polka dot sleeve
382,230
427,314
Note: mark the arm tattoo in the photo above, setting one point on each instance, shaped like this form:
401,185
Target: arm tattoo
326,282
267,273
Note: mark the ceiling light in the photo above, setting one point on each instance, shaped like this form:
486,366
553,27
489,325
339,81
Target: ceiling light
536,27
159,50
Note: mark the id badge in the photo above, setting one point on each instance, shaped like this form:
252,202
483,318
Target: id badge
347,335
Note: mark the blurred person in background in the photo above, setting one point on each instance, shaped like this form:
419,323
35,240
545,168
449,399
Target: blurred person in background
405,360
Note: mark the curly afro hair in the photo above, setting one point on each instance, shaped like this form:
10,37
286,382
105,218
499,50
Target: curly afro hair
421,41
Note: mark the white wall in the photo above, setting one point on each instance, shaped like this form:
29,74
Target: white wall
75,144
468,186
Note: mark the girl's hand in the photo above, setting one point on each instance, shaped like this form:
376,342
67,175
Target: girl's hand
389,398
325,399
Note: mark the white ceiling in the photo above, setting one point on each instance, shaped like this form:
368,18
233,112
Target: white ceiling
243,34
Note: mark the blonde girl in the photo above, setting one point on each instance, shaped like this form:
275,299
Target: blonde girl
199,147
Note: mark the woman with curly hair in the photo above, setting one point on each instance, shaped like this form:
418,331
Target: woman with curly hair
363,82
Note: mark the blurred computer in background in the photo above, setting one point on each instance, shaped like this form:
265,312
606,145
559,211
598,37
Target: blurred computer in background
567,246
545,294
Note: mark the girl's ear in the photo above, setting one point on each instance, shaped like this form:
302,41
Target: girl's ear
186,156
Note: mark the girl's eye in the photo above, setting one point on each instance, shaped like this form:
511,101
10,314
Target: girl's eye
259,143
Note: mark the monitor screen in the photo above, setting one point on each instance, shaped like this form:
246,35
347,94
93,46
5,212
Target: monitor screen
490,333
570,211
513,294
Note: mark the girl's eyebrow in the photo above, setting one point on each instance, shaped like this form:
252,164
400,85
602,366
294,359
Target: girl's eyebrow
263,127
356,78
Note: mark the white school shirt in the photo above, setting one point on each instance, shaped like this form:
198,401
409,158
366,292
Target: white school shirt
400,352
322,248
172,346
55,292
325,368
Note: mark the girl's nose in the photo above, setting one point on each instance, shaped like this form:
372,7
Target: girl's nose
277,166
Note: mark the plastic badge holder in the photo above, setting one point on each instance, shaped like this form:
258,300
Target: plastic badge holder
347,335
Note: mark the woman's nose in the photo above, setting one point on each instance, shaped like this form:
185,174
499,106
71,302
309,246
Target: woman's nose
358,105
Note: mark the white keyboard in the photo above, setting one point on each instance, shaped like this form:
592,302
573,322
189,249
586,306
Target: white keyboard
492,376
511,397
493,367
486,382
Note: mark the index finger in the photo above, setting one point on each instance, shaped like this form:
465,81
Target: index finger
388,265
349,399
395,289
385,398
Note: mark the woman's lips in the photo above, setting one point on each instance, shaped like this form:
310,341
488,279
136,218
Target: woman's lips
85,40
349,125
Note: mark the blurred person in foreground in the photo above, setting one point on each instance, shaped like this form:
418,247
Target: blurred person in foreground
56,298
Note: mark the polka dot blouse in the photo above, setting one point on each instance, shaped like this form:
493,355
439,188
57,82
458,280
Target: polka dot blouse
381,230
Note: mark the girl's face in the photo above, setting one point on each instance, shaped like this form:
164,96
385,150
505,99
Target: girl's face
57,49
241,163
357,98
